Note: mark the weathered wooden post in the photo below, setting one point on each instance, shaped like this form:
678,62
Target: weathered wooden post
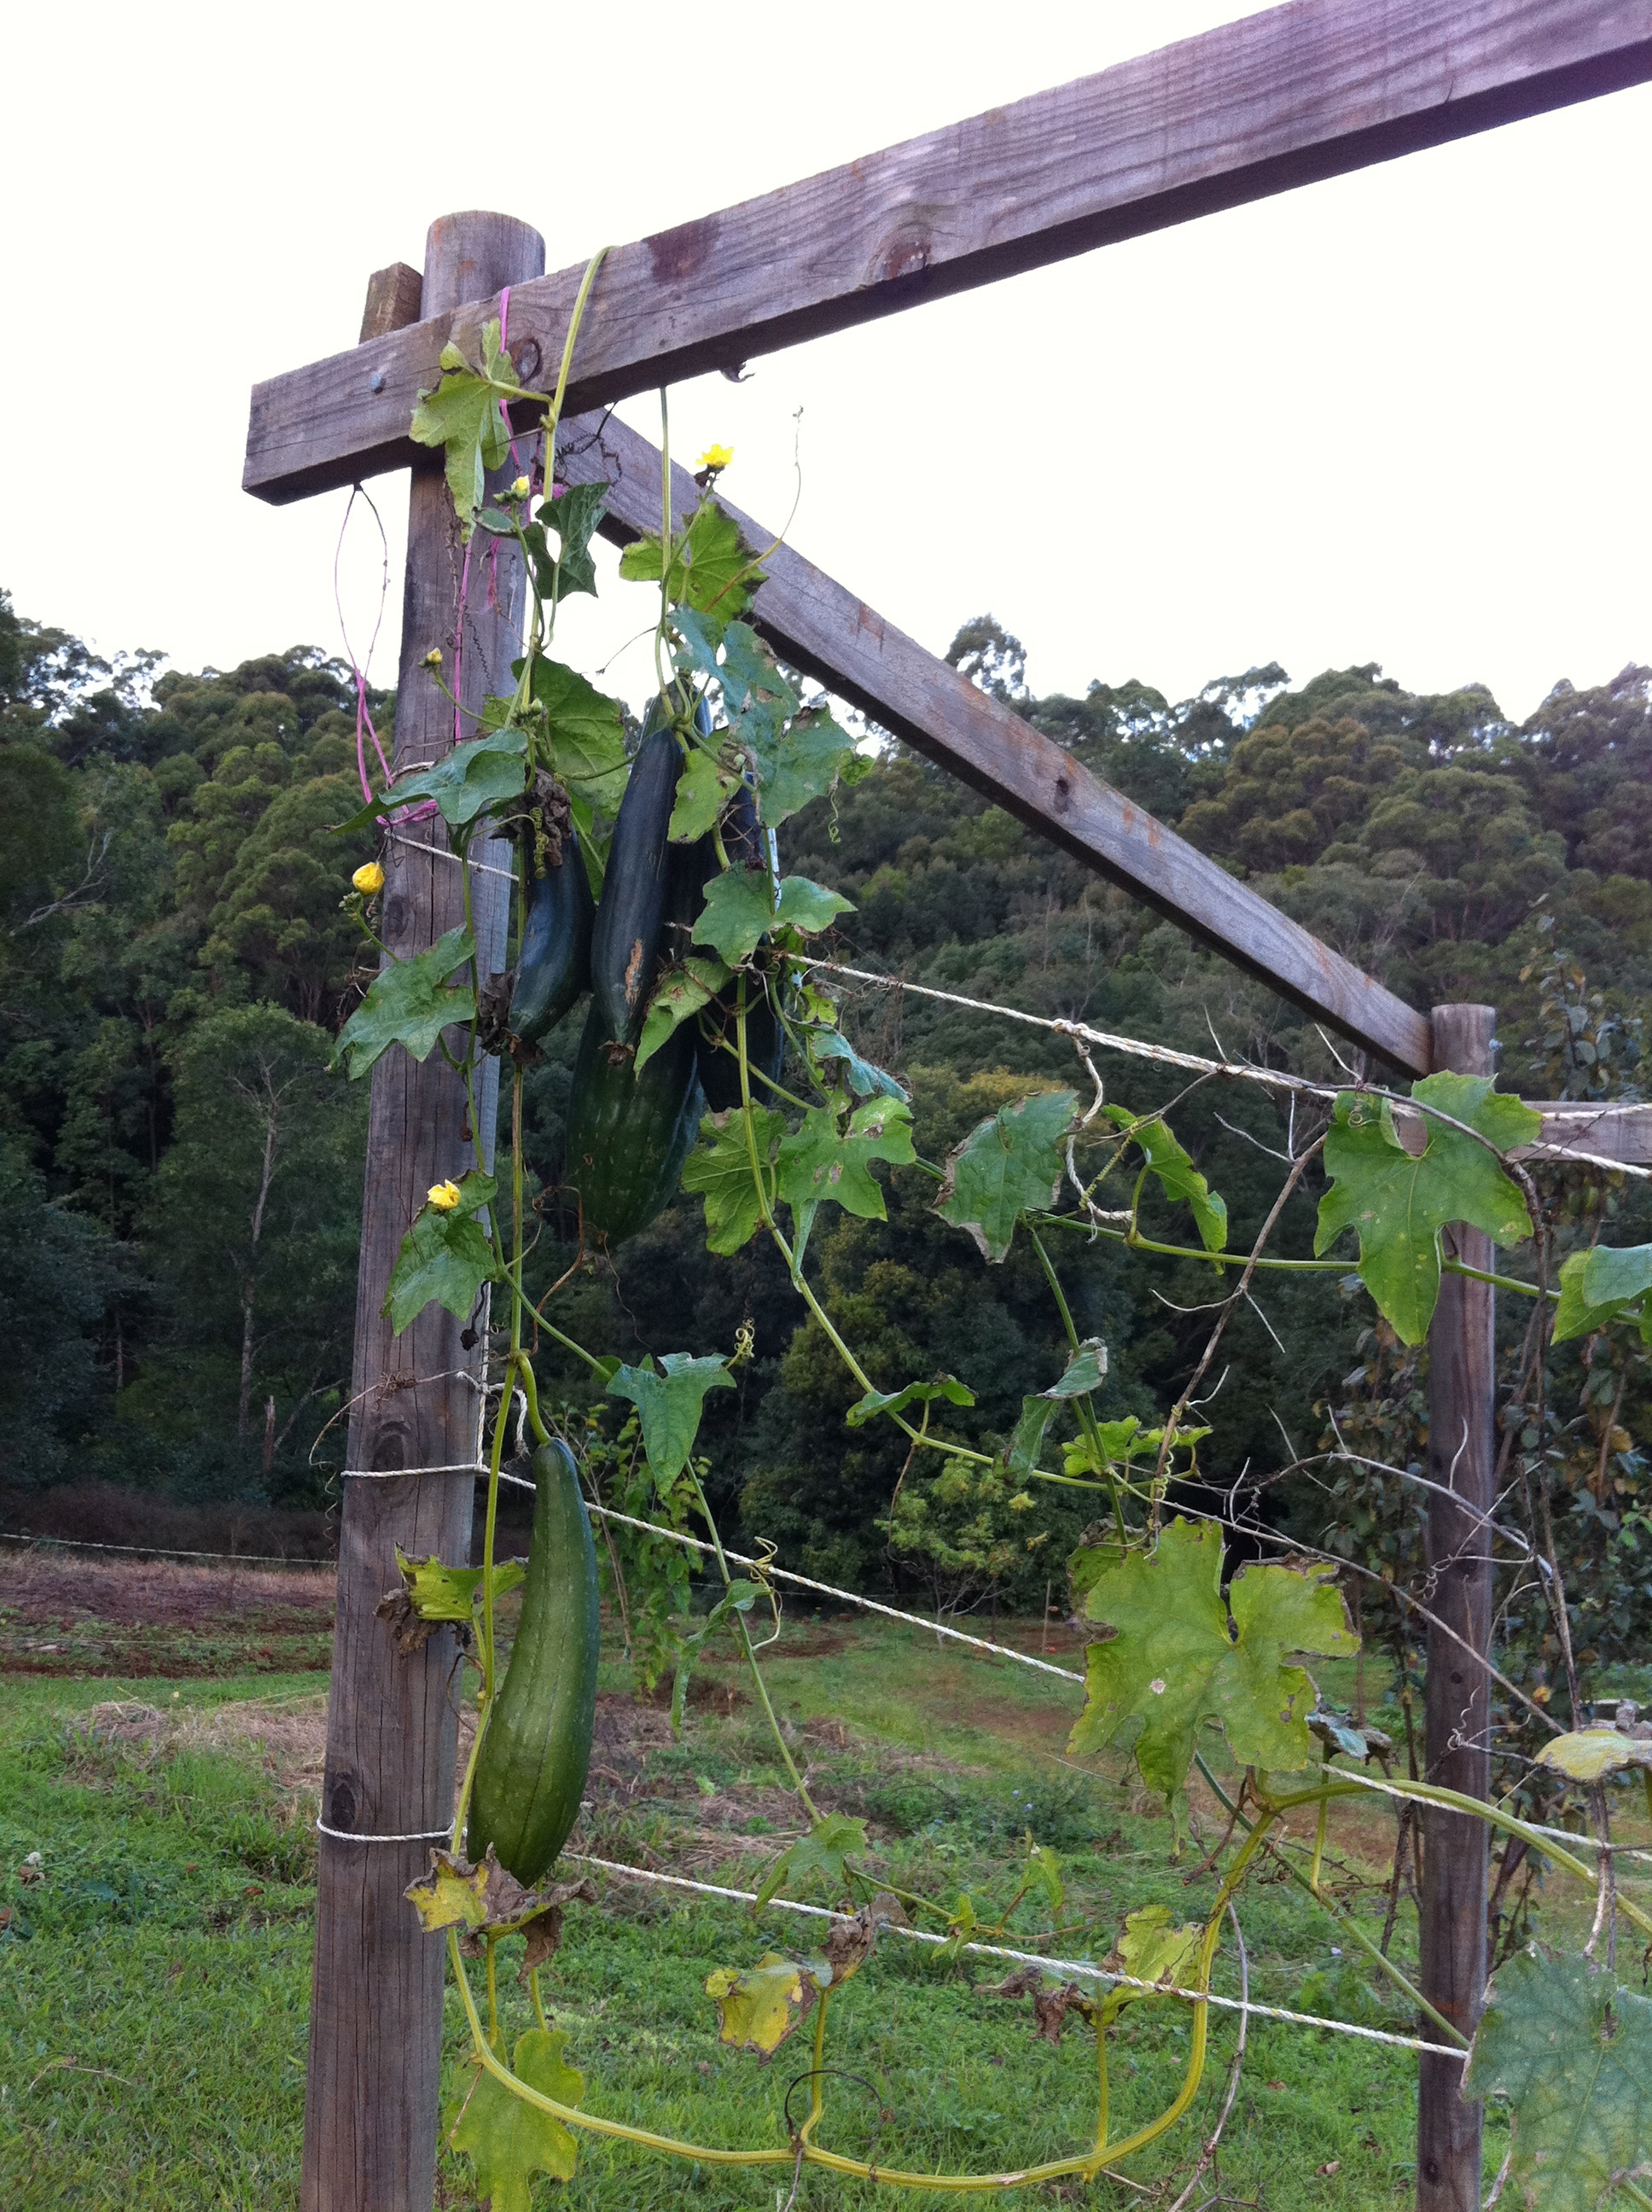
1461,1459
375,2020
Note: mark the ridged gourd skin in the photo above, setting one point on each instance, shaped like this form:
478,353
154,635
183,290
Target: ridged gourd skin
748,843
629,1133
535,1754
553,969
629,945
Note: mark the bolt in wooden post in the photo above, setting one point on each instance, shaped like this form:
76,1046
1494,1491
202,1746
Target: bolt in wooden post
376,2019
1461,1458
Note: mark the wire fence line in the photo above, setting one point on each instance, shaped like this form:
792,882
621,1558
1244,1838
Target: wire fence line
1106,1975
161,1552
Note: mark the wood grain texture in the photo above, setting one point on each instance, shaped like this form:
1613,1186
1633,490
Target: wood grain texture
1605,1132
395,300
1461,1458
375,2025
1254,107
823,630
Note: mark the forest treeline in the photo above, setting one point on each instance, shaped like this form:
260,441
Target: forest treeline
182,1173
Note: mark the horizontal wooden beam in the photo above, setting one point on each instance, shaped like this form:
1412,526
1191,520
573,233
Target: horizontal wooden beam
1623,1133
1255,107
820,628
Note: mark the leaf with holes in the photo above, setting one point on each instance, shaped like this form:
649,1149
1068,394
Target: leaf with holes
445,1257
1571,2052
759,2009
1005,1168
897,1402
678,997
1175,1660
668,1405
719,1171
509,2140
1398,1203
825,1850
461,413
713,570
1596,1286
820,1160
409,1003
1166,1158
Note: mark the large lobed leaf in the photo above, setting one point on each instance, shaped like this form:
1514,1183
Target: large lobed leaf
509,2140
668,1405
587,735
1005,1166
719,1171
760,2007
713,570
1571,2050
1399,1202
742,906
410,1003
1174,1661
462,415
445,1257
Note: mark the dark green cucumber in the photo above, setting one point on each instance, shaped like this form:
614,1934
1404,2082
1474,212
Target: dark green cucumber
748,844
530,1775
553,968
627,947
629,1133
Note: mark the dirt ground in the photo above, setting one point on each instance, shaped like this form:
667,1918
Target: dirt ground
67,1613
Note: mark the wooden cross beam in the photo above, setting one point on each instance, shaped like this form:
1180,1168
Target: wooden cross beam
1259,106
1309,90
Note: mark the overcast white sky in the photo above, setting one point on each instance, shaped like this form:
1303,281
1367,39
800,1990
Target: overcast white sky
1401,416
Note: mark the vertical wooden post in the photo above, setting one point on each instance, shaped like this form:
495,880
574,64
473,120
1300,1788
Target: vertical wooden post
375,2020
1461,1459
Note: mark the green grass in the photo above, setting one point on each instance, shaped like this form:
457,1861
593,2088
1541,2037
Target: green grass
167,1954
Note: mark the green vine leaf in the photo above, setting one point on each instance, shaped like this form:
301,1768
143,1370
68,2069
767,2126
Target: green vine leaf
586,730
825,1850
409,1003
1027,1441
1086,1370
1005,1167
719,1171
1596,1286
1571,2050
668,1405
897,1402
741,908
1153,1951
483,773
1398,1203
759,2009
436,1592
701,791
445,1257
1168,1158
508,2139
713,570
1175,1661
797,765
820,1161
575,516
461,413
678,997
863,1079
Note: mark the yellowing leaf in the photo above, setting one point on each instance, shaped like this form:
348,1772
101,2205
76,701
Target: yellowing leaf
1590,1754
1151,1950
453,1894
761,2007
440,1593
1174,1663
1398,1203
509,2140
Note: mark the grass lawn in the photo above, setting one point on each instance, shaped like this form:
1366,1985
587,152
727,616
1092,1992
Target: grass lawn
156,1967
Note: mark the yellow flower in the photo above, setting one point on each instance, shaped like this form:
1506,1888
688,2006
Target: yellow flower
521,489
432,659
369,879
444,1196
715,457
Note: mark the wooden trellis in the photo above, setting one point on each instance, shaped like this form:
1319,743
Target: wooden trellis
1303,92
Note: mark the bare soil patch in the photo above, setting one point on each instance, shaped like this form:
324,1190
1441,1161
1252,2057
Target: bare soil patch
61,1613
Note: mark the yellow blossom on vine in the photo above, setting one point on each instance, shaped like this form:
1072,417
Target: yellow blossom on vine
369,879
443,1196
521,489
432,659
715,457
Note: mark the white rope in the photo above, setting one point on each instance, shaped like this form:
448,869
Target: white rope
397,1473
445,853
350,1835
160,1552
1027,1958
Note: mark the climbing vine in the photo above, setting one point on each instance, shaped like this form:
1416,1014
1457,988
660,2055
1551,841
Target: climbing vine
797,1120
